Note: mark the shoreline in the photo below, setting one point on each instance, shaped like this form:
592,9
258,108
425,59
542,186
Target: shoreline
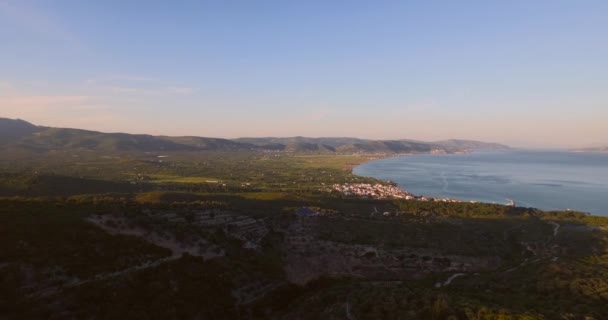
509,202
509,195
375,157
404,193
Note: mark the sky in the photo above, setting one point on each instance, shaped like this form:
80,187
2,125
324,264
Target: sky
525,73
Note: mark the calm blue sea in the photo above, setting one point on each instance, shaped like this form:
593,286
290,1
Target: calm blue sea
541,179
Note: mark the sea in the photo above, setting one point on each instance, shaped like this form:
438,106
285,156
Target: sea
549,180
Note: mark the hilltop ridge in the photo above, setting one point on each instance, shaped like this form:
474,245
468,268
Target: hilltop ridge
99,225
20,134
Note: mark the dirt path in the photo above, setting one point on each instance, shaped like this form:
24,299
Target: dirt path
555,227
177,248
349,315
250,296
104,276
347,309
99,277
449,280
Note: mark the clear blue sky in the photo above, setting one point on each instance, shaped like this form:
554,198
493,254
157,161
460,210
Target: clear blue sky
526,73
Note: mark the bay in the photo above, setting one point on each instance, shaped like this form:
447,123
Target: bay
550,180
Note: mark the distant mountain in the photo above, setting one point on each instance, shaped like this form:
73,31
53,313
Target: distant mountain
14,129
22,135
344,145
390,146
302,143
455,144
369,146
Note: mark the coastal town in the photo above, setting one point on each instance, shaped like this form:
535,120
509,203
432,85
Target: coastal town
380,191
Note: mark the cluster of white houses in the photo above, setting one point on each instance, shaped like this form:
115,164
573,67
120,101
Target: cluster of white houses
375,191
380,191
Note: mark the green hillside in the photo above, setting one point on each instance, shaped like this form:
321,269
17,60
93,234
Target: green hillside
119,226
20,135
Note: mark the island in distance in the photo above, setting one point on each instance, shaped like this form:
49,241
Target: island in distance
132,226
594,149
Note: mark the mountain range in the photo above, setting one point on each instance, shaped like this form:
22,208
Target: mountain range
20,134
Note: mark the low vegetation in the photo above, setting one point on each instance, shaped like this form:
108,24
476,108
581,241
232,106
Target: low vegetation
222,234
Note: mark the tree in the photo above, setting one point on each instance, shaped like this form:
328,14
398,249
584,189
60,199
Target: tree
440,308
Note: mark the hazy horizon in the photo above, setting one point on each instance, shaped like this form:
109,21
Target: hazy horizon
518,73
307,136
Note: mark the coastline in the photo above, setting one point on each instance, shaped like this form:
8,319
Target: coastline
528,186
375,157
367,189
509,202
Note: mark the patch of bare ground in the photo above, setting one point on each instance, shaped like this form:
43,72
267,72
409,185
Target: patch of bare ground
196,247
308,258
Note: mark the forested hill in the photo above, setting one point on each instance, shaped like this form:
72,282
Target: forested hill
19,134
14,129
22,135
345,145
457,144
